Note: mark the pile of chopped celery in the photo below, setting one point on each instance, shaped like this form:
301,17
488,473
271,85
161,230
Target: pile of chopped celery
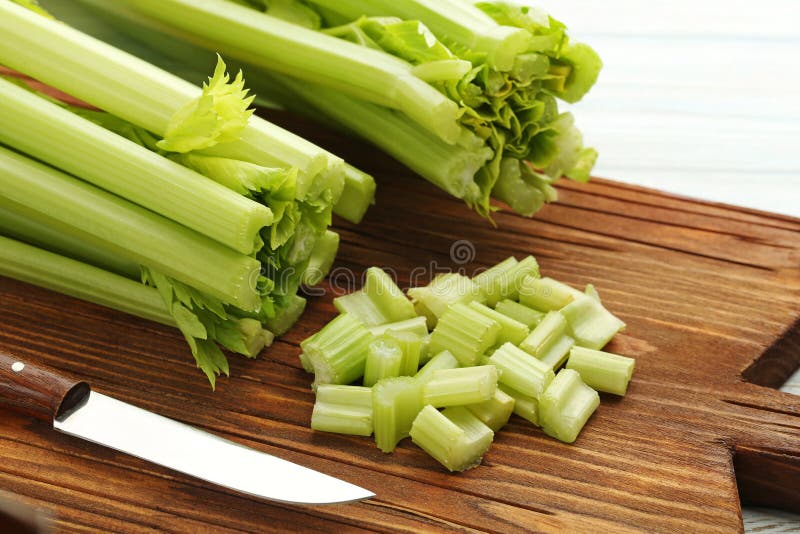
158,197
449,364
465,93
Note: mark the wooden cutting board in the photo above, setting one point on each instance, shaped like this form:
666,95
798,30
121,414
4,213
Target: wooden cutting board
711,296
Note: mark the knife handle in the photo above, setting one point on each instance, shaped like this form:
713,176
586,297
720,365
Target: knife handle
38,390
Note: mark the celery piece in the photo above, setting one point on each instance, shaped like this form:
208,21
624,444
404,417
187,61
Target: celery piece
549,341
503,281
457,387
338,352
384,360
520,371
546,294
322,257
566,405
454,437
525,406
494,412
101,219
425,353
590,291
591,325
395,404
602,371
254,336
360,305
357,197
511,330
343,410
411,347
293,308
388,298
417,326
444,290
519,312
466,333
305,361
443,360
120,166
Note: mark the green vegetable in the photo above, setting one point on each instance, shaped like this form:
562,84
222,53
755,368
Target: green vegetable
590,324
384,360
511,331
343,409
416,325
566,405
457,387
602,371
504,279
546,294
456,438
523,314
411,346
338,352
322,258
549,341
434,299
525,406
357,196
466,333
443,360
395,404
519,371
380,302
494,412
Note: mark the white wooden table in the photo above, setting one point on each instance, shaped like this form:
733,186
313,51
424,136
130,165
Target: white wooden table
699,98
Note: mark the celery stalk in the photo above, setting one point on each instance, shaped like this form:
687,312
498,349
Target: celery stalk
389,298
590,324
411,347
455,437
395,404
511,330
546,294
457,387
549,341
357,197
293,308
525,406
566,405
322,258
519,312
82,211
467,334
338,352
434,299
361,306
443,360
520,371
602,371
503,280
384,360
417,326
494,412
343,410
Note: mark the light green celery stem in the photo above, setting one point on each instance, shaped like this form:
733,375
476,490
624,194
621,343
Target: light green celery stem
80,280
338,352
425,353
602,371
322,258
361,306
546,294
53,134
280,46
417,326
454,437
503,280
445,290
457,387
384,360
494,412
465,333
443,360
383,291
450,20
287,316
511,330
343,410
549,341
103,220
395,404
357,197
50,238
566,405
449,167
518,370
134,89
590,324
519,312
411,346
525,406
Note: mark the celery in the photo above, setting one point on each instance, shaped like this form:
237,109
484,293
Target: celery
338,352
590,324
358,195
511,331
464,332
549,341
55,135
380,302
519,312
293,308
343,410
425,353
322,258
566,405
361,306
395,404
520,371
525,406
411,347
443,360
546,294
494,412
87,213
457,387
417,325
434,299
384,360
455,437
504,279
602,371
590,291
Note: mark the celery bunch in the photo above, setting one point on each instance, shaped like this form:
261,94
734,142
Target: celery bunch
497,343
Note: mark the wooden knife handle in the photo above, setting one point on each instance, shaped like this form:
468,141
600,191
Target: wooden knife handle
38,390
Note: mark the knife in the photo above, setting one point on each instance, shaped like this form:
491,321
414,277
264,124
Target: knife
76,410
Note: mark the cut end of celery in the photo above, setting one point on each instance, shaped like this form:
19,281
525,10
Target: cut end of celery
358,195
602,371
456,438
466,333
343,410
566,405
395,404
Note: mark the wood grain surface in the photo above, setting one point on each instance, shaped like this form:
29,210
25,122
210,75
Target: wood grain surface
710,296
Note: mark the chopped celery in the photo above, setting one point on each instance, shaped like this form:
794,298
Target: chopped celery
511,330
322,257
395,404
520,371
590,324
384,360
388,298
566,405
546,294
305,361
549,341
289,315
417,325
519,312
464,332
456,438
503,281
343,409
338,352
443,360
444,290
590,291
602,371
360,305
425,353
357,197
457,387
411,347
525,406
494,412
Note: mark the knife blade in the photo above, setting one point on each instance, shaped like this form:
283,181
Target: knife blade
76,410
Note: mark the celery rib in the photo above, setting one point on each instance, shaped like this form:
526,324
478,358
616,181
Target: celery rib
602,371
457,387
343,410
